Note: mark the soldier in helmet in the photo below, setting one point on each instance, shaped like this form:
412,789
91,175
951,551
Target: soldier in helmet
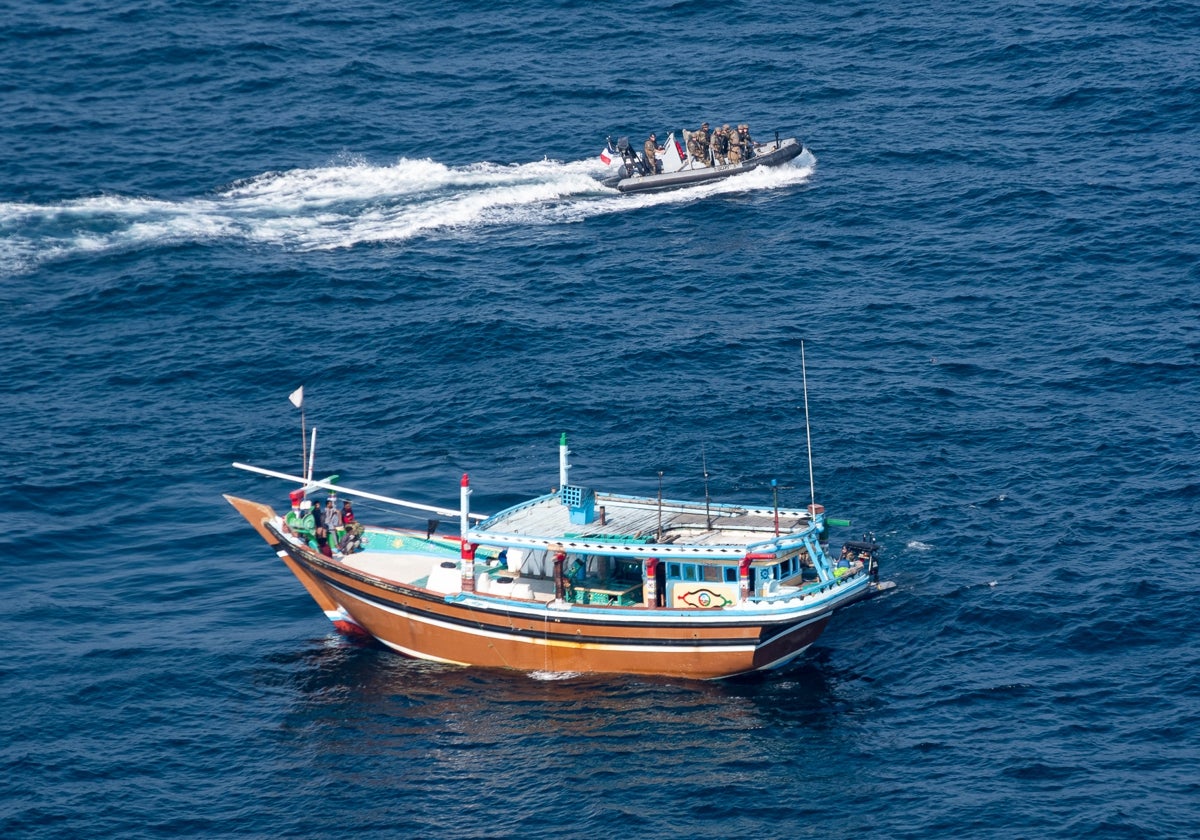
720,145
698,145
747,143
706,140
735,145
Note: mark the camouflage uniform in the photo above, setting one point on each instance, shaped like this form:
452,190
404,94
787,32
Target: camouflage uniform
720,146
735,146
706,140
651,149
698,146
747,143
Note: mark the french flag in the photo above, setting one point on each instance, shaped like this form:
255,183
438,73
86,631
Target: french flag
606,153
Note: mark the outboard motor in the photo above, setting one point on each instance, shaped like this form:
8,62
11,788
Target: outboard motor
865,550
632,164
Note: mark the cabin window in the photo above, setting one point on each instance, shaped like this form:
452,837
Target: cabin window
712,574
689,571
673,571
731,574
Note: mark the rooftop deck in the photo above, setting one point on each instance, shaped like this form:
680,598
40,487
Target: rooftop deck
625,519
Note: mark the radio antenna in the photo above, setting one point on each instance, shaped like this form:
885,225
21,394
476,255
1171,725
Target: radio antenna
812,490
660,531
704,466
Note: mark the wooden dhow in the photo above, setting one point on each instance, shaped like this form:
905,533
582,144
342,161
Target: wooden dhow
583,581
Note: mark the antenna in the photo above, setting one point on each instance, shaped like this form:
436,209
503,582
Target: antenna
775,496
775,488
807,431
660,475
704,466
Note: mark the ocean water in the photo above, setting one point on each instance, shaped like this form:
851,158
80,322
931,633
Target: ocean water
990,255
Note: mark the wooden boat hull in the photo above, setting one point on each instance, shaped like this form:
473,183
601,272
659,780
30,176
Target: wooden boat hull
476,629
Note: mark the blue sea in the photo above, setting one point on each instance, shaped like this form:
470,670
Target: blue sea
990,260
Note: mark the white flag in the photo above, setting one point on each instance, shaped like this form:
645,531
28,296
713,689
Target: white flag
297,396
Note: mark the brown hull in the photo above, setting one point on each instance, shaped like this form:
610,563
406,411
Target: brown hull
531,637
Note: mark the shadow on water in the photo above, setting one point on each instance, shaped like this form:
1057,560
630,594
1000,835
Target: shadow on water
344,679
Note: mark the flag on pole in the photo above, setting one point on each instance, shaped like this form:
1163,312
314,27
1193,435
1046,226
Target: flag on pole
607,152
297,396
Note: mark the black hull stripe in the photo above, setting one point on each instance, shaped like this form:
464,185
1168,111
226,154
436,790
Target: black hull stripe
546,633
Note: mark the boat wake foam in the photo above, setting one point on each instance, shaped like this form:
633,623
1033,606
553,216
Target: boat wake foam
344,204
552,676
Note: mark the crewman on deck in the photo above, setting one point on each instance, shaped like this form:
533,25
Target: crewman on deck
352,541
332,520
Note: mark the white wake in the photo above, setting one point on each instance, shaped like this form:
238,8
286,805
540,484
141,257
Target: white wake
345,204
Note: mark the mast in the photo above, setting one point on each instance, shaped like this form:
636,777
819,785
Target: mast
467,552
296,398
464,506
312,454
807,431
563,466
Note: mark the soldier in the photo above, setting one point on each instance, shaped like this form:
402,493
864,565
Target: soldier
706,142
698,147
747,143
720,145
735,145
651,151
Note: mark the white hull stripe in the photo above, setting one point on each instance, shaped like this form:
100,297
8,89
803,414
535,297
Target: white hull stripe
735,617
647,647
